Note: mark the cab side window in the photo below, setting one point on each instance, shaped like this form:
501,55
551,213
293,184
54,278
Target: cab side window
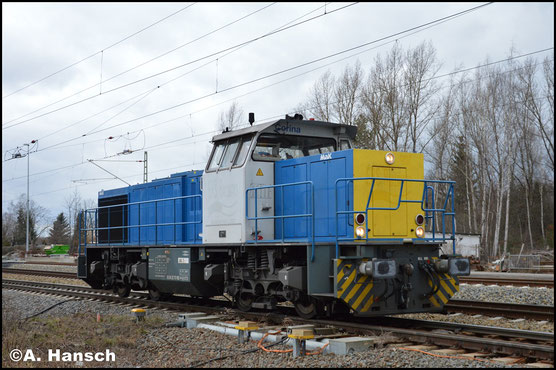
344,144
272,147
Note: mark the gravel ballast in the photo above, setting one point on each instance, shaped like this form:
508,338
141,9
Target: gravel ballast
180,347
506,294
40,267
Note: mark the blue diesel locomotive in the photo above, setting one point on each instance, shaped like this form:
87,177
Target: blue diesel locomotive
284,211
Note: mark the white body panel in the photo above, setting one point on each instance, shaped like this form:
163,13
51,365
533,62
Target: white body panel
224,206
224,218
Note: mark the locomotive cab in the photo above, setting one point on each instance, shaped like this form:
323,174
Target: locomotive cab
245,159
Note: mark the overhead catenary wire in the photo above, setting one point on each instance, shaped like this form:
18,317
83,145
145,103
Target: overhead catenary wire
162,72
483,65
104,169
183,166
96,53
435,77
96,114
83,162
135,67
428,24
166,143
165,83
192,41
120,112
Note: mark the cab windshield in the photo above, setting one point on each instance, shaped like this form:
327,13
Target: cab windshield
278,147
229,153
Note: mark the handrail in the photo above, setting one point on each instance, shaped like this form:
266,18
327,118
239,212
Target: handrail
95,229
423,202
282,217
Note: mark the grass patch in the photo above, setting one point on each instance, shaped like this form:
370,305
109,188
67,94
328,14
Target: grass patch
72,333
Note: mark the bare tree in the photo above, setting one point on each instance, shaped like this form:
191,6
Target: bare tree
347,94
9,222
320,102
480,138
421,67
373,116
38,220
73,204
385,86
83,220
527,164
492,131
231,118
539,102
400,98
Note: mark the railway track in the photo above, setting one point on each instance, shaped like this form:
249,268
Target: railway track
465,279
508,310
516,311
506,281
59,274
532,345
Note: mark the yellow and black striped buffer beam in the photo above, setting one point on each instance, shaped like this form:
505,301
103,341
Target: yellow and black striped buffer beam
353,288
449,285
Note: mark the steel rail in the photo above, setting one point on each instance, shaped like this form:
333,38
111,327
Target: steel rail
495,340
506,281
60,274
508,310
463,279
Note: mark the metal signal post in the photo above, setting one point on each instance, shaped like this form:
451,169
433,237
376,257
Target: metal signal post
16,155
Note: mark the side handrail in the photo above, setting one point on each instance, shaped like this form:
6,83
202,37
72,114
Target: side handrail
94,230
256,218
429,212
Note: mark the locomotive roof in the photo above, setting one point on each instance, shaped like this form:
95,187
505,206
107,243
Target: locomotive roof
338,128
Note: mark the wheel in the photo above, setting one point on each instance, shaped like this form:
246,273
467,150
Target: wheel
244,301
155,294
123,290
308,307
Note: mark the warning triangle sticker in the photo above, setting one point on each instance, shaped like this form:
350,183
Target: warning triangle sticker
259,172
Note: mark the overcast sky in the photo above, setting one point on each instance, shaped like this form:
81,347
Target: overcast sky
39,39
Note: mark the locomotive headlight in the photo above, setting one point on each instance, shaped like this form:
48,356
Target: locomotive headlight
360,231
419,219
460,266
442,266
389,158
420,232
379,269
